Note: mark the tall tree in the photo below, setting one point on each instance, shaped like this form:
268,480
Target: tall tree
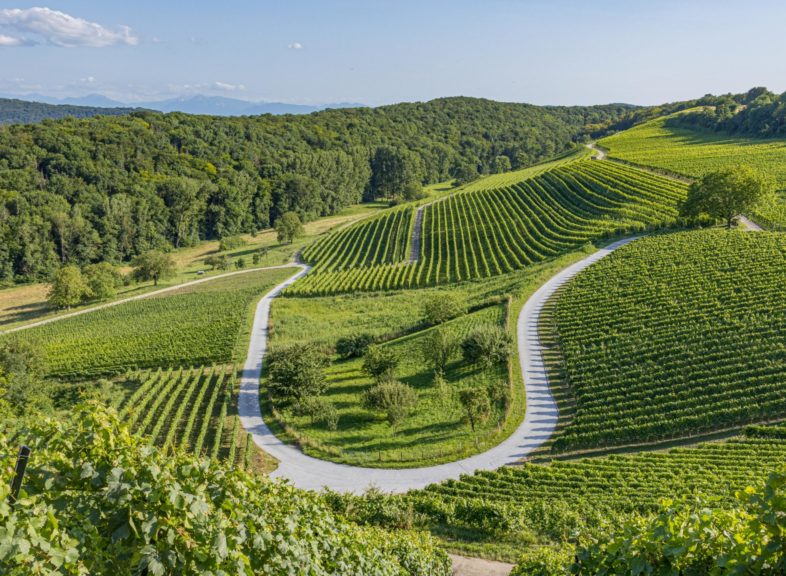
68,287
153,265
724,194
393,170
289,227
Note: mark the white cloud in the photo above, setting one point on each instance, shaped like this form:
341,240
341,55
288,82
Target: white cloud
45,26
295,46
10,41
229,87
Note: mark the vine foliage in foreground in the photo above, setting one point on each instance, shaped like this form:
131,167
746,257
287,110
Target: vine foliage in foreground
98,500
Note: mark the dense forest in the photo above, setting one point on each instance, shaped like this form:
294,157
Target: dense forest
109,188
758,113
14,111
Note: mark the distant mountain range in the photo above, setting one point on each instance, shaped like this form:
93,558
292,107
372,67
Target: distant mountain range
197,104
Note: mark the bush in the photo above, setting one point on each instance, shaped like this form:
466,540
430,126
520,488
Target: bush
394,398
220,262
319,411
230,243
439,348
380,362
441,307
487,345
103,280
353,346
297,371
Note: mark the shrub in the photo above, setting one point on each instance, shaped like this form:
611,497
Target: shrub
441,307
353,346
477,407
319,410
297,371
380,362
487,345
394,398
230,243
103,280
439,348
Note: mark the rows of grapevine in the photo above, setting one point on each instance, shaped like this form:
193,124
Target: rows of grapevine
196,325
488,232
193,409
675,335
382,240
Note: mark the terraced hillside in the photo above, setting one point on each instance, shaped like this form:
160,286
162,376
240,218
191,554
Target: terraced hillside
484,233
675,335
505,511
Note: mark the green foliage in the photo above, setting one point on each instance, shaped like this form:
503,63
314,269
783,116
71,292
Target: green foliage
489,231
354,345
393,171
319,411
68,287
98,500
289,227
674,335
441,307
153,265
393,398
231,243
21,374
111,188
218,261
724,194
103,279
297,371
698,538
13,111
476,404
439,348
190,326
487,345
380,362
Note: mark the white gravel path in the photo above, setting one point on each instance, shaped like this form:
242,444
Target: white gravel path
312,473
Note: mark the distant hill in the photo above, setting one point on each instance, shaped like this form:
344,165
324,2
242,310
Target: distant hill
198,104
24,112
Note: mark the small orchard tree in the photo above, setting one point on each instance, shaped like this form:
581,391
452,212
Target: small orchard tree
103,280
380,362
394,398
353,346
218,262
724,194
240,263
153,265
230,243
439,348
68,287
476,405
486,345
441,307
297,371
289,227
318,410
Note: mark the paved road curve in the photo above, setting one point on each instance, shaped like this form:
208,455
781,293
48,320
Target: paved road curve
312,473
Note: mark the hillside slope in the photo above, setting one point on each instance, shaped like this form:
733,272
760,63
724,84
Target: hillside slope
14,111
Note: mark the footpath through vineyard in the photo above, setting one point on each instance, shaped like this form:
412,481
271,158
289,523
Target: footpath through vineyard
312,473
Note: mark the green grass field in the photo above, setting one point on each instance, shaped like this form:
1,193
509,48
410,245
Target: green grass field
675,335
693,154
201,324
491,231
434,432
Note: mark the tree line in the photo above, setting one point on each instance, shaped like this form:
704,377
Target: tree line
81,191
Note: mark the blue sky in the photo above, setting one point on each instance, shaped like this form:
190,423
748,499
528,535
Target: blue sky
383,51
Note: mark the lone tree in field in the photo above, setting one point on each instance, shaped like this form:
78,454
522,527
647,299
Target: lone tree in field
153,265
439,348
441,307
380,362
726,193
477,407
289,227
297,371
69,287
393,398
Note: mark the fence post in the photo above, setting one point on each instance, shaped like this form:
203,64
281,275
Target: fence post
19,473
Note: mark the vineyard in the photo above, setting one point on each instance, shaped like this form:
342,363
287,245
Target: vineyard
193,409
500,512
434,432
488,232
196,325
692,153
675,335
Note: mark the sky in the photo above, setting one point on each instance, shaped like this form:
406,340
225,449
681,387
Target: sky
383,51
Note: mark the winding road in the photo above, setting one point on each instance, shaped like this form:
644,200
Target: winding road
312,473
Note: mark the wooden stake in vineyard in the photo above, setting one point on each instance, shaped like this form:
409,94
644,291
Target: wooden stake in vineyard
19,473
